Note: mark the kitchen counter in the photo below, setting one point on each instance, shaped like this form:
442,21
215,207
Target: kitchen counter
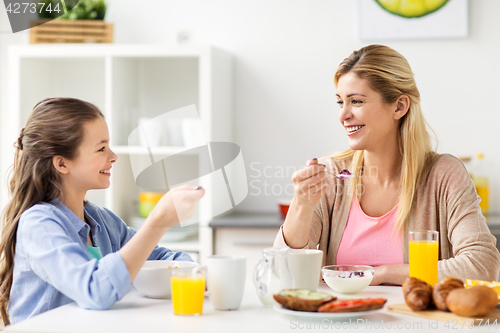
248,220
135,313
493,220
274,220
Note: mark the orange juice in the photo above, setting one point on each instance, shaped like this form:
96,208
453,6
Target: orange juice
187,294
423,260
483,192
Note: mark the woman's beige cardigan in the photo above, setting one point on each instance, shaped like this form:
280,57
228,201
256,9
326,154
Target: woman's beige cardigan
446,201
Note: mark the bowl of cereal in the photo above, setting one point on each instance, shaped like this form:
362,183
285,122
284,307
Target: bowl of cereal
347,279
153,280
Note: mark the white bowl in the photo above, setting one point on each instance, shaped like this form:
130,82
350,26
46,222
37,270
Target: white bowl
347,279
153,280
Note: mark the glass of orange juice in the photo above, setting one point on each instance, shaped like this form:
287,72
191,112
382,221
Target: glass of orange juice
188,290
424,253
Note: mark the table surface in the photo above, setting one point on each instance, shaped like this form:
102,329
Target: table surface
135,313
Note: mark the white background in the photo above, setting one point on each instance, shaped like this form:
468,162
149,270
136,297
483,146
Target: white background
286,52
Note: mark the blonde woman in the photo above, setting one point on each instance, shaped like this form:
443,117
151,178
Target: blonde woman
400,183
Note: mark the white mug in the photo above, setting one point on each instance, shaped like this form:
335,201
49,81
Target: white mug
305,266
226,281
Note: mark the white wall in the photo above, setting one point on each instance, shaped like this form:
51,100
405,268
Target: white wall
286,52
6,38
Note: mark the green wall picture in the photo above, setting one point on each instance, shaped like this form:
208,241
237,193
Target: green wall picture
412,19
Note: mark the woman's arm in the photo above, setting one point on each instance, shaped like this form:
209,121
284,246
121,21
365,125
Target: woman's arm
297,225
390,274
471,246
309,186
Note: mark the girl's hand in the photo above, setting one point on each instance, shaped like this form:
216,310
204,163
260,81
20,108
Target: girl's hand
176,206
309,184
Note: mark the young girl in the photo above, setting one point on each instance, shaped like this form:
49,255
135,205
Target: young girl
56,247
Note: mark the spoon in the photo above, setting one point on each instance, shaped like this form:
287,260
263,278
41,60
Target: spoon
344,174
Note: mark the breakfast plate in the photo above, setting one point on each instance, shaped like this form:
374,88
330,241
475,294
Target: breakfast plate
322,315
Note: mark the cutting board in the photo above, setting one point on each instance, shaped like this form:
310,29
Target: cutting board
444,316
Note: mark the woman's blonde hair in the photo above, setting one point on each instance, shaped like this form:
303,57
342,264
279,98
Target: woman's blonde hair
55,127
389,74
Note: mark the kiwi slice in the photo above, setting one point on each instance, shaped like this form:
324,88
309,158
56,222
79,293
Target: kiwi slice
411,8
305,294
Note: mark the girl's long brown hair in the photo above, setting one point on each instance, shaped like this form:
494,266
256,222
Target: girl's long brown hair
55,127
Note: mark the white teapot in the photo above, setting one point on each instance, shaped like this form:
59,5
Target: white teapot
271,275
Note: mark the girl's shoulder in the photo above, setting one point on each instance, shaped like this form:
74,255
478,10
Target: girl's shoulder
42,215
58,212
42,209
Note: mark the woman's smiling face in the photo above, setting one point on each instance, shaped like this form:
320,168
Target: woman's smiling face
369,122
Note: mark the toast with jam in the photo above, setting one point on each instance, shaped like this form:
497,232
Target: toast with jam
353,305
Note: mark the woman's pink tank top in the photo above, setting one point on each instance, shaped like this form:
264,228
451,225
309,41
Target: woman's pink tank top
370,240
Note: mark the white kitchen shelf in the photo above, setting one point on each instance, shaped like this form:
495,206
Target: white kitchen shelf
127,82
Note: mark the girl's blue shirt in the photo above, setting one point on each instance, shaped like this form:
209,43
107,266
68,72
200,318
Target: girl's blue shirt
52,266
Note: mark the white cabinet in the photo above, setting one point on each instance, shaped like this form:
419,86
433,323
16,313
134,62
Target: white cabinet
127,82
247,234
248,242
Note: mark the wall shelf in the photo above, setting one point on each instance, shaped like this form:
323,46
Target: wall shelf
128,82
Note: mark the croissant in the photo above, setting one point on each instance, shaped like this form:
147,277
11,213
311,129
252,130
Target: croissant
418,294
442,289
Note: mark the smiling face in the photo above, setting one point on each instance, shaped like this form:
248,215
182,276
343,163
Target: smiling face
370,123
91,168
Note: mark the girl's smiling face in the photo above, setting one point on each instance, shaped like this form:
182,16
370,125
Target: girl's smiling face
369,122
91,168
